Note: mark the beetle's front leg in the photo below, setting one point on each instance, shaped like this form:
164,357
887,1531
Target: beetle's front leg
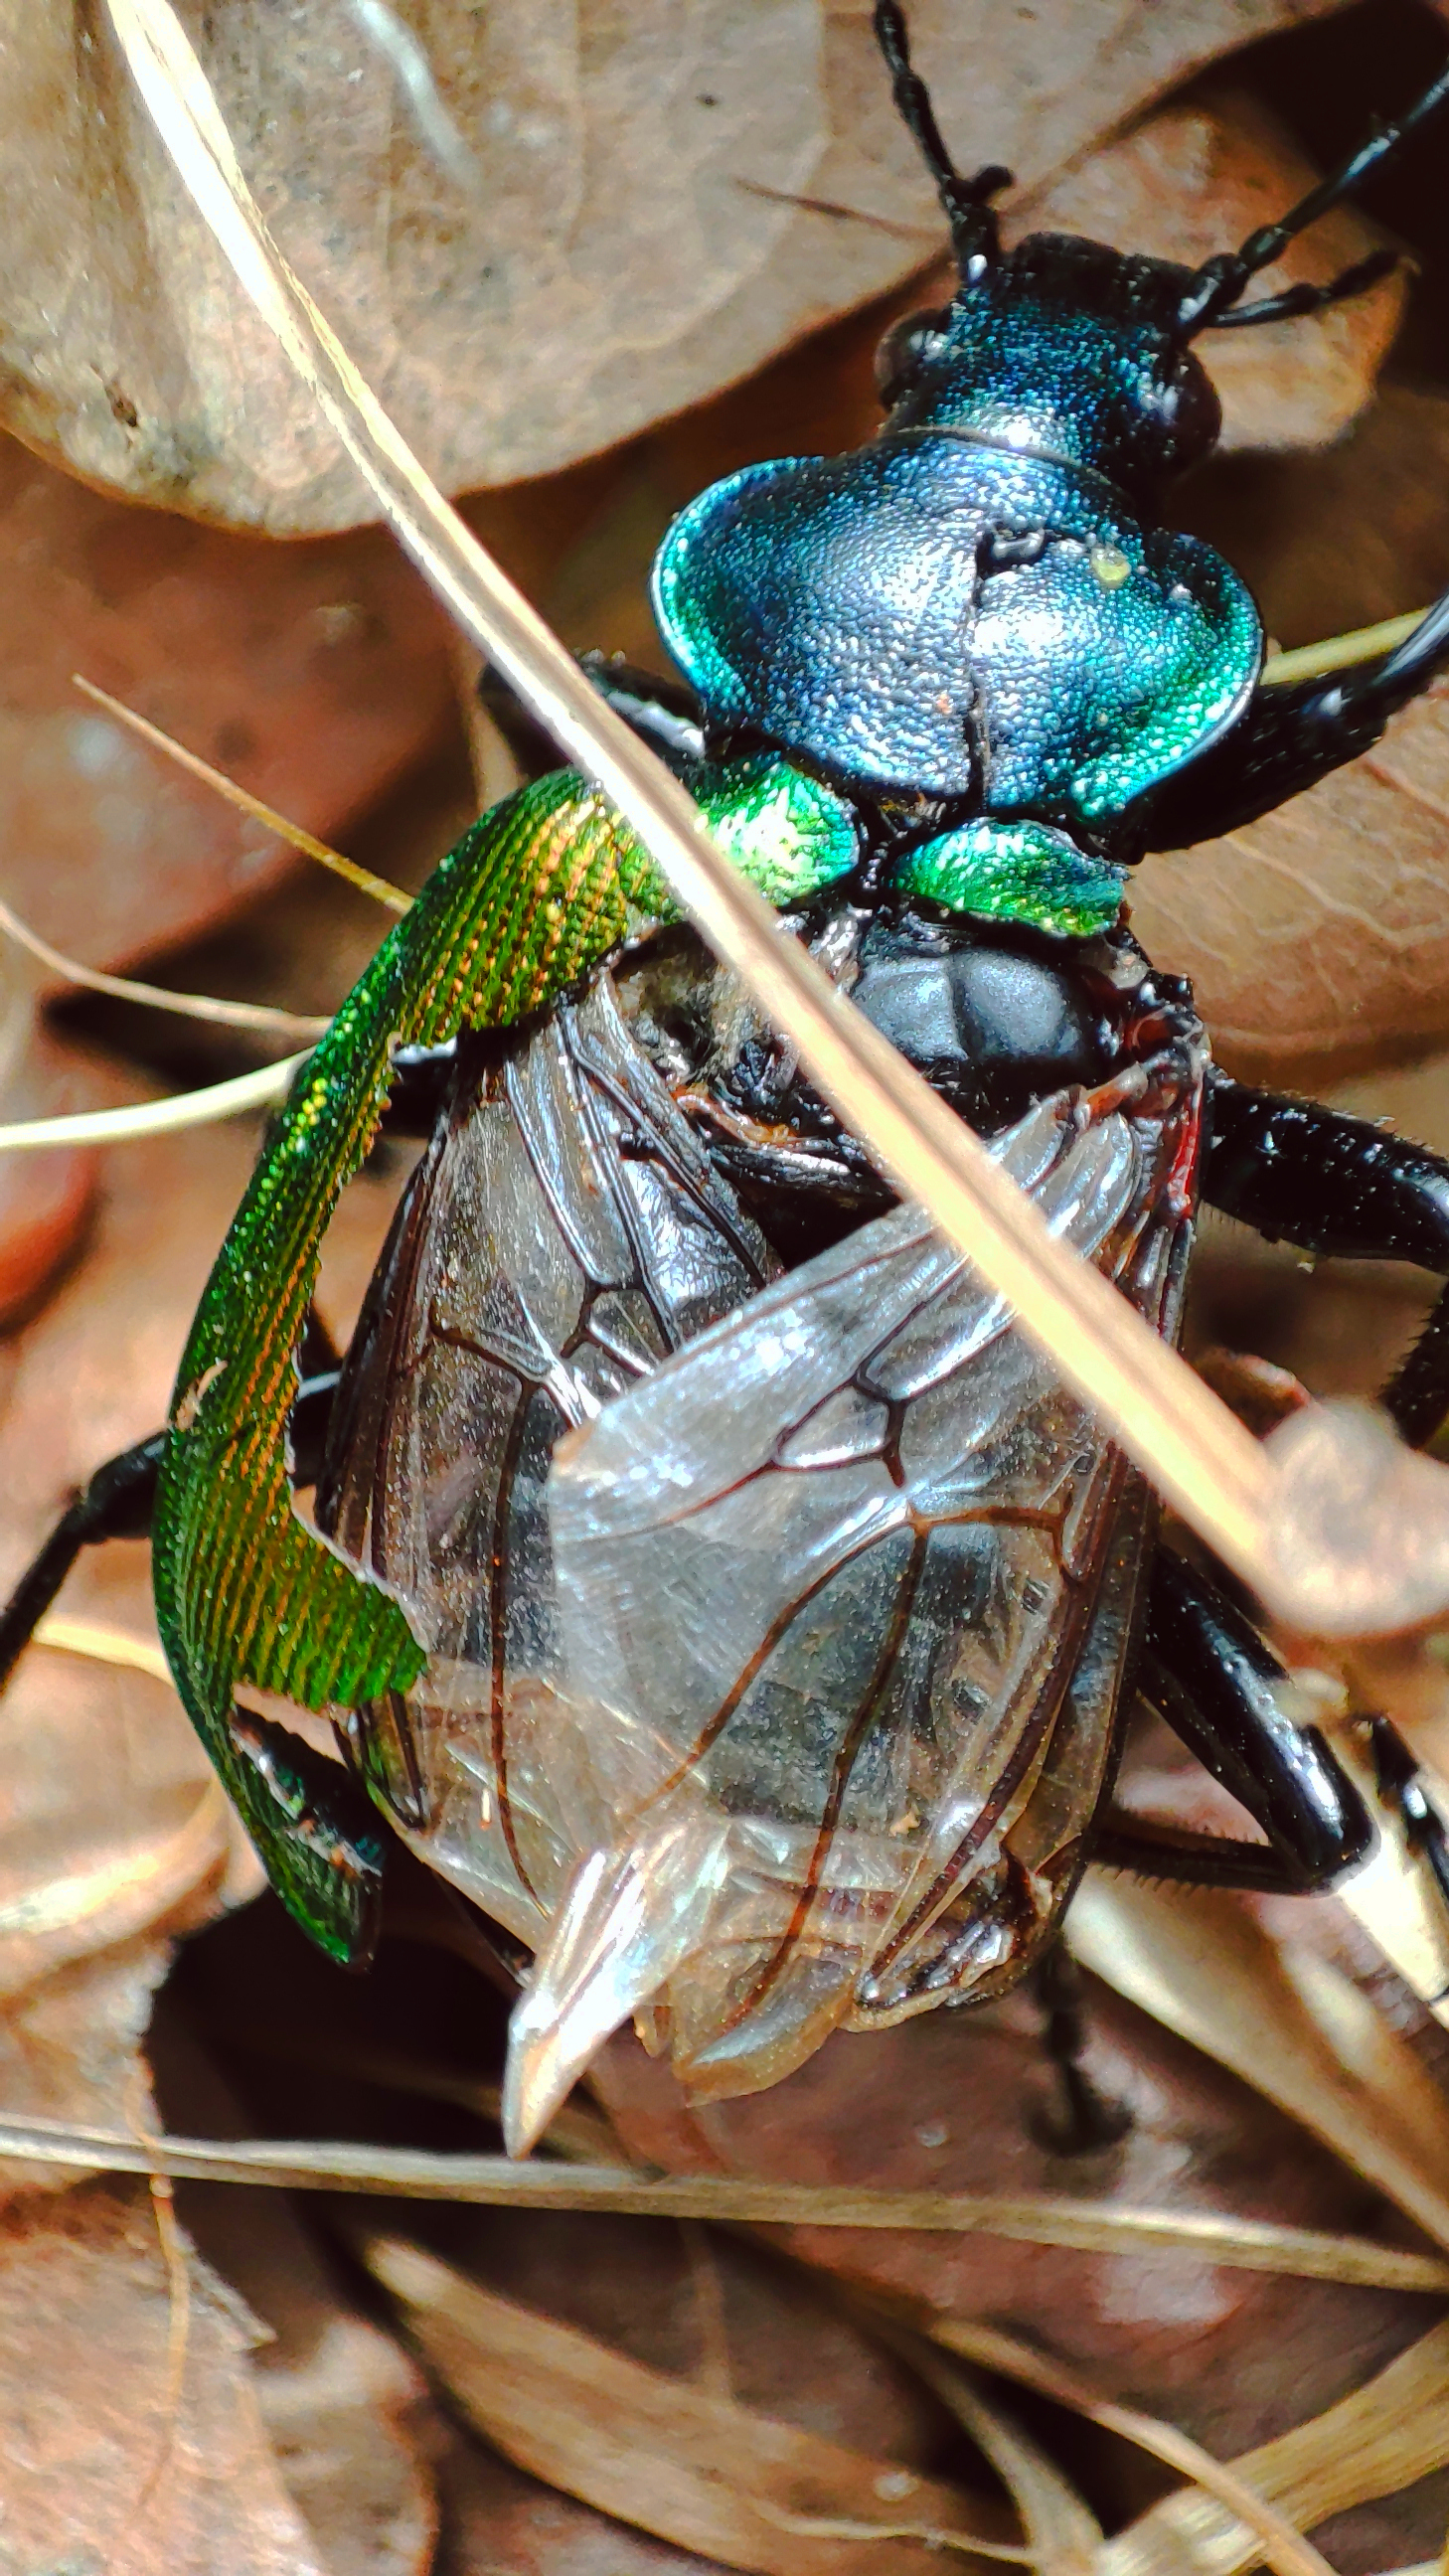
1290,735
117,1502
1300,1173
664,713
1211,1676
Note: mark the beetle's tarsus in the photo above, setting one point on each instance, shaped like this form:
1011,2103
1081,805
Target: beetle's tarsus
1084,2119
1400,1785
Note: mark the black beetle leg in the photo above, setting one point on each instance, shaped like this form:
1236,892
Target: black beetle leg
1208,1672
119,1498
116,1503
1288,735
1400,1786
1304,1174
1084,2119
665,713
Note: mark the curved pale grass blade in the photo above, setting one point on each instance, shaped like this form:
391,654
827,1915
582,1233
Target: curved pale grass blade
1394,1893
1280,2546
1336,652
1061,2531
1185,1439
1383,2436
190,1006
663,2453
101,1644
1286,2022
362,879
408,2173
217,1100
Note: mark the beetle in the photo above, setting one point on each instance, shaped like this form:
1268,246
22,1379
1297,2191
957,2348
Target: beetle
704,1574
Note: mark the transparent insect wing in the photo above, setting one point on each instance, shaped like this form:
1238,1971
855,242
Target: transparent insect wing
563,1233
774,1630
841,1569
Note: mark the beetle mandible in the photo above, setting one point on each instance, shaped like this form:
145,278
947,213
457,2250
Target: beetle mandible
706,1576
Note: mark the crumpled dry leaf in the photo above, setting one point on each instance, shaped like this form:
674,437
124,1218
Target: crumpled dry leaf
1383,2437
1316,938
695,2467
960,2102
616,248
43,1211
120,2446
1061,2531
498,2518
342,2404
70,2046
1285,2019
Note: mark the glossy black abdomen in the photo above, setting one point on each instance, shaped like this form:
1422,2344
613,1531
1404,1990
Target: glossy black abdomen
993,1020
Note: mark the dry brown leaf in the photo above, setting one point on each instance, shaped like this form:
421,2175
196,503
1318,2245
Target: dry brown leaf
1285,2020
497,2518
1062,2533
43,1212
617,247
1190,182
1381,2438
121,2447
747,2489
342,2405
71,2046
1279,2545
315,674
1317,938
958,2101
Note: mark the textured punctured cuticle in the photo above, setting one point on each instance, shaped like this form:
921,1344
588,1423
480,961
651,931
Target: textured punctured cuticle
535,894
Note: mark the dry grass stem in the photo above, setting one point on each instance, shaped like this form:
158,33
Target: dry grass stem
362,879
1380,2438
190,1006
1287,2022
1279,2545
500,2181
238,1098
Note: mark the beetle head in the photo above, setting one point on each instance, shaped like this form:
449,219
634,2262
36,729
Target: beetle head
1067,348
1061,347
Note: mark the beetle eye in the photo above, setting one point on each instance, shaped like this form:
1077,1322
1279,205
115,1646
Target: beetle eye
906,346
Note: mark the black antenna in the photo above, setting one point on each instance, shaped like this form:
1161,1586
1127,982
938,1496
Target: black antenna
1208,302
974,235
1296,300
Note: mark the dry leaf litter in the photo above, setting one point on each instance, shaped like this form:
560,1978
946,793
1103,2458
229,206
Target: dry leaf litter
587,291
